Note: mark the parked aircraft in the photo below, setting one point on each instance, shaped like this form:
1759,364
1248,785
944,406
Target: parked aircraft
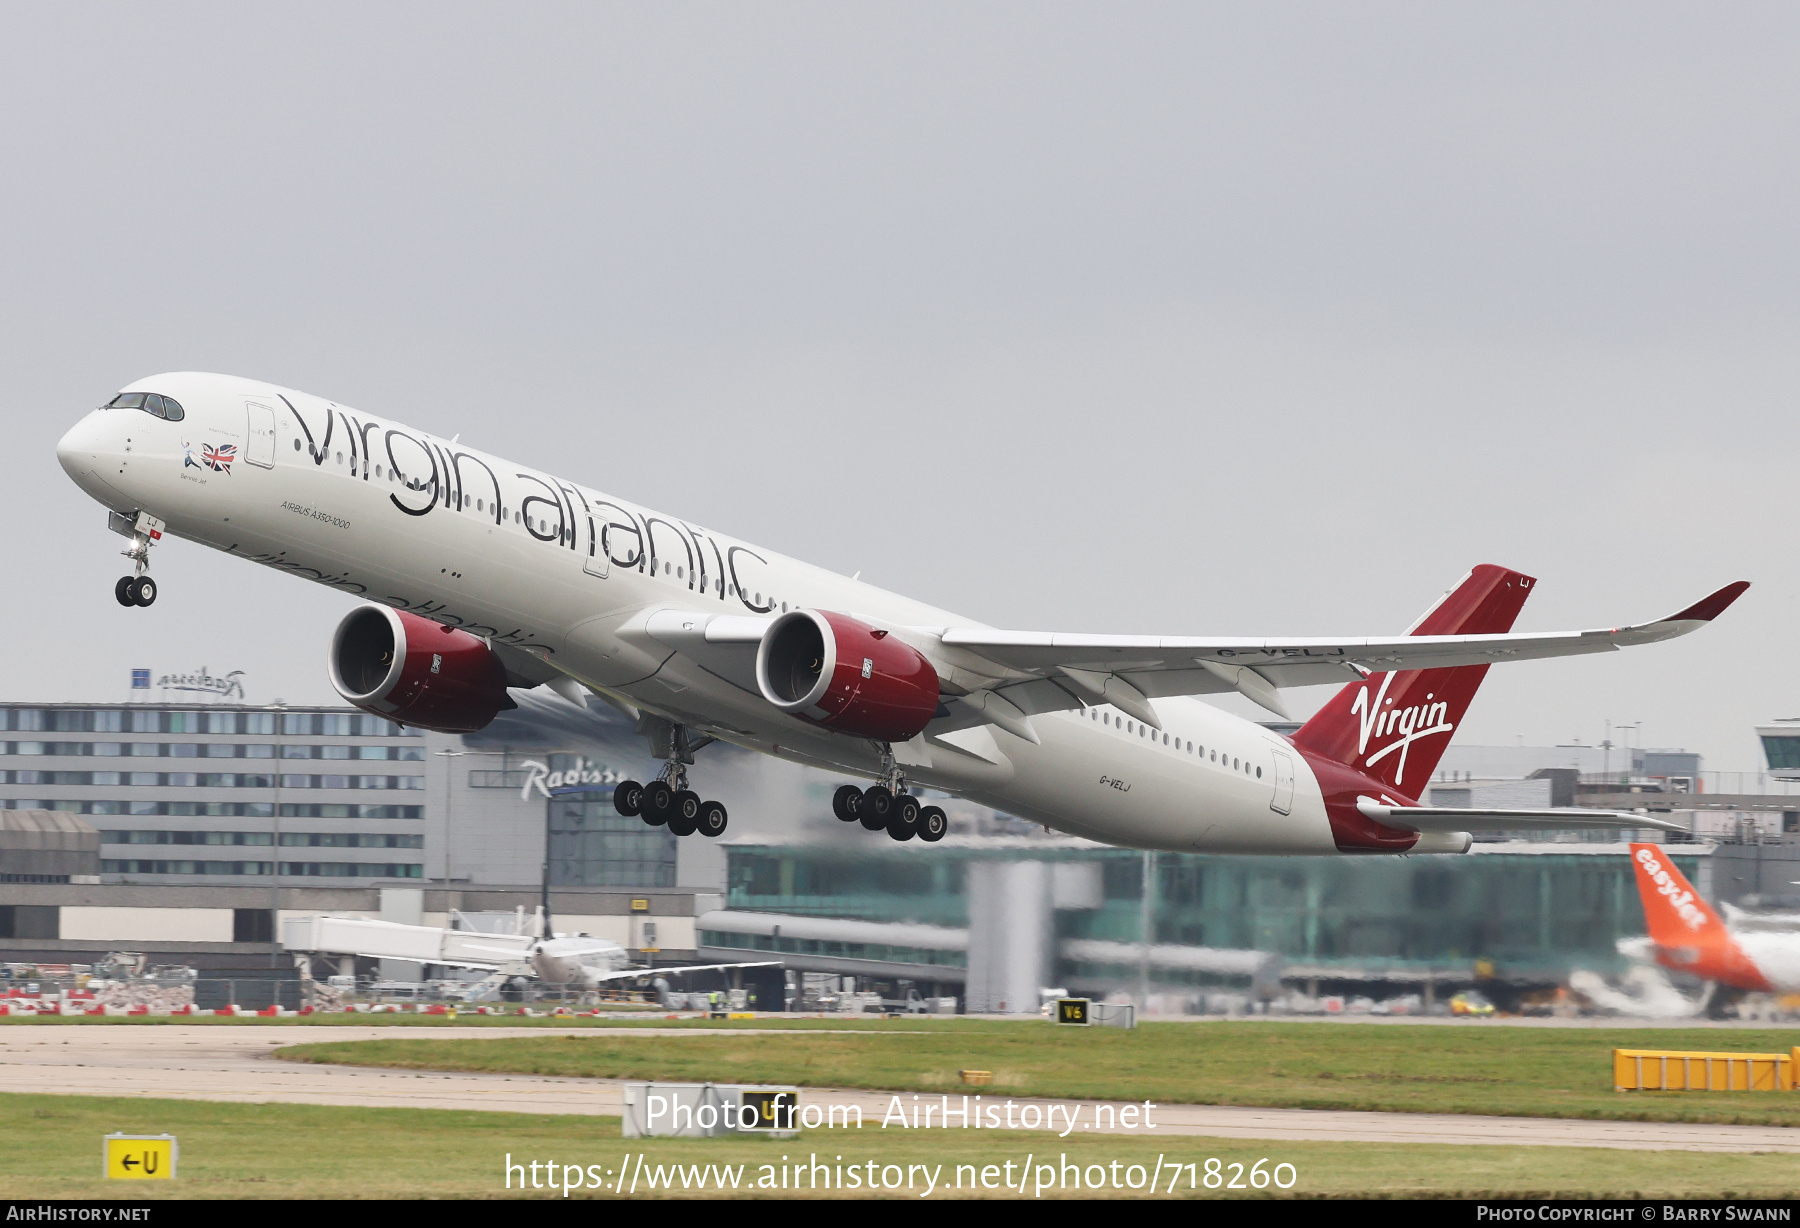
484,575
574,960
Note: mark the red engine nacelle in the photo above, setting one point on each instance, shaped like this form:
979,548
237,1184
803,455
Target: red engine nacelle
412,670
847,676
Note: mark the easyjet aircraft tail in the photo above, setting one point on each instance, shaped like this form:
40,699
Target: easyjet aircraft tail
1394,727
1689,936
1674,913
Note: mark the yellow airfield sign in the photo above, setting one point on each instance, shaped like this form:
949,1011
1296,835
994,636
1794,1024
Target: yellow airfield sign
141,1157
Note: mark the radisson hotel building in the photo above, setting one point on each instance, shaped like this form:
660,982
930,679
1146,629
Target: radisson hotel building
212,792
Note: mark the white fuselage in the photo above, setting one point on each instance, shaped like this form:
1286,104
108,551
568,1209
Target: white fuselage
1776,956
577,961
574,575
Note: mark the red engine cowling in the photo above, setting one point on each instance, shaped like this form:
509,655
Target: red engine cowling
417,672
847,676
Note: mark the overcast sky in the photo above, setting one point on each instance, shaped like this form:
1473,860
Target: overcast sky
1230,319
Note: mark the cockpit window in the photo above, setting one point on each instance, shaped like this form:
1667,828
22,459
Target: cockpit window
150,403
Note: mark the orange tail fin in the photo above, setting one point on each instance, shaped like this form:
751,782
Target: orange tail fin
1673,910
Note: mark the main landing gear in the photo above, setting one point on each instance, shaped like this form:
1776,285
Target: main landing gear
667,799
879,808
888,807
670,802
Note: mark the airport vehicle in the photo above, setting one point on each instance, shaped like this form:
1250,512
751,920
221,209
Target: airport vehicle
1471,1002
484,575
1686,935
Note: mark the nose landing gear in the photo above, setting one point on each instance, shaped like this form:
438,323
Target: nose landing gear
144,531
135,590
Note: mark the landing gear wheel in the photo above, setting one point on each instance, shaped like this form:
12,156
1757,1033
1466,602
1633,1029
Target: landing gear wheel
712,819
903,823
628,799
846,803
122,590
877,805
658,805
685,820
143,590
933,823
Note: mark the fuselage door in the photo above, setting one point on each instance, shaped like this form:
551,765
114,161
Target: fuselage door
595,561
261,451
1283,802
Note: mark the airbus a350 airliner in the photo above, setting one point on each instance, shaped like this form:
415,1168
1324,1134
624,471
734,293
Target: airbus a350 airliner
479,575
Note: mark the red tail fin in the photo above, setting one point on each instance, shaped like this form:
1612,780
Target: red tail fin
1394,727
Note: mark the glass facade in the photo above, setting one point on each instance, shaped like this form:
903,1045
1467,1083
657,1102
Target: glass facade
1783,752
592,845
824,948
289,869
1527,912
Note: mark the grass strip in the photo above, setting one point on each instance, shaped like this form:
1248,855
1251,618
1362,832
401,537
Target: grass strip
1509,1071
51,1150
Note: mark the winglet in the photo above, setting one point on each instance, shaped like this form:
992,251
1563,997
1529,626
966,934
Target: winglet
1708,608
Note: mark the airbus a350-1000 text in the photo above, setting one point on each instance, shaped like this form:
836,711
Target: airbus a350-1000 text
480,575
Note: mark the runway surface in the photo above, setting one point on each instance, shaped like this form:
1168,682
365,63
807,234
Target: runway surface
227,1063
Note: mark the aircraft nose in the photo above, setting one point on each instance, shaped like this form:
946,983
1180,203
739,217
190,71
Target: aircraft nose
78,451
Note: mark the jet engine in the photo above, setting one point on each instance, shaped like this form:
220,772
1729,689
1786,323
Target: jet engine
417,672
846,675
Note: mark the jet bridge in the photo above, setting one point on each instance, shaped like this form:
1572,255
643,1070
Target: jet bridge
424,944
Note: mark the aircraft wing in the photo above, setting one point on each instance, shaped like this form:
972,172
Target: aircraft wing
631,973
1465,818
1043,671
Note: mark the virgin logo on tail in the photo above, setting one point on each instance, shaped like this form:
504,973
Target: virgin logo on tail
1378,718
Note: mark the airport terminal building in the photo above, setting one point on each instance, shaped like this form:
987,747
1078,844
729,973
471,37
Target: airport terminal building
210,821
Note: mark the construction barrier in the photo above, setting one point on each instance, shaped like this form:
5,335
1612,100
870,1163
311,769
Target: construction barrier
1674,1070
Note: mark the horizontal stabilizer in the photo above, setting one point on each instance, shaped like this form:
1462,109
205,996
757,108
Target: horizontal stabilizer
1461,818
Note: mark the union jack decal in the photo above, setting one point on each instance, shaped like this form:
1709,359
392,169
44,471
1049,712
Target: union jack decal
219,458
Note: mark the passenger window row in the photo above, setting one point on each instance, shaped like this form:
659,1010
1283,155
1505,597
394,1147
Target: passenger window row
1114,720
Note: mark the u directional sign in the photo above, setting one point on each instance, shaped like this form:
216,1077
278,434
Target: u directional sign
768,1110
141,1157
